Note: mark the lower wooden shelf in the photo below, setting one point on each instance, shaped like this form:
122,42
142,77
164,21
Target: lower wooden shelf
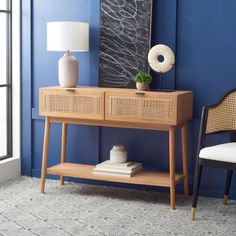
86,172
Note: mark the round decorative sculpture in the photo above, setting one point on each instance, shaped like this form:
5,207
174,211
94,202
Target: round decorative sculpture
161,66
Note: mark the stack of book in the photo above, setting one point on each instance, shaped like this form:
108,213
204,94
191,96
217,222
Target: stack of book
127,169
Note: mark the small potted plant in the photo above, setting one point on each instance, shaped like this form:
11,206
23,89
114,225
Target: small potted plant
142,81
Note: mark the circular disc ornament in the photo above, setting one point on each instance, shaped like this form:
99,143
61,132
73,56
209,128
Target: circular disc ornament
168,55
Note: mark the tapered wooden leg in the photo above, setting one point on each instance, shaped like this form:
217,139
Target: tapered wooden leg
63,147
172,166
185,160
197,180
45,154
227,185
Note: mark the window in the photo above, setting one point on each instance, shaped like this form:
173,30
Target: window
5,79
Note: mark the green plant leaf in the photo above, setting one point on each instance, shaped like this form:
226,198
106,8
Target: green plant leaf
143,78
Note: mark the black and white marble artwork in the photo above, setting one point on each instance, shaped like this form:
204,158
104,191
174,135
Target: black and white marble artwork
125,33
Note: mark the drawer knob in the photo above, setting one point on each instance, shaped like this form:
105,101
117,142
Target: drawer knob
70,90
139,93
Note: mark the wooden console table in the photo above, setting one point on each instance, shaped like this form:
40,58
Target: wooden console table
127,108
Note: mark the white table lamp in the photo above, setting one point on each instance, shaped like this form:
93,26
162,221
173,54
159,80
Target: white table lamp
68,36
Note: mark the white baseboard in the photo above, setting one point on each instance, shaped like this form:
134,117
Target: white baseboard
9,168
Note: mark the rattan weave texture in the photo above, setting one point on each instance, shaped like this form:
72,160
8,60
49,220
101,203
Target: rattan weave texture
142,108
80,104
223,116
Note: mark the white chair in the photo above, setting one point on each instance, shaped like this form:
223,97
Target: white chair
218,118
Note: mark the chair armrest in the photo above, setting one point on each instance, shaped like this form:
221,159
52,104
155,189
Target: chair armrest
202,131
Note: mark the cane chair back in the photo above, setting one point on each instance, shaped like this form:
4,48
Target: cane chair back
222,117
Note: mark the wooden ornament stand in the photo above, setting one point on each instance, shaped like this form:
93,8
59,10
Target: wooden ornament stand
117,108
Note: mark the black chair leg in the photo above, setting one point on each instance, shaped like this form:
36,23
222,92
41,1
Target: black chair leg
227,185
197,180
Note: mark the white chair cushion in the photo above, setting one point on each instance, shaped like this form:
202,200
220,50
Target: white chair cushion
223,152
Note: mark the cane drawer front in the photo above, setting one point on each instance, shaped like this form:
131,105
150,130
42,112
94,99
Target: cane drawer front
72,103
147,107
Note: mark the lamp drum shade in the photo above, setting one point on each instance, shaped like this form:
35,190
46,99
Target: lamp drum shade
68,35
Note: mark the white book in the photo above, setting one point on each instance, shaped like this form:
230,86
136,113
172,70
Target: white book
117,165
99,172
117,170
129,169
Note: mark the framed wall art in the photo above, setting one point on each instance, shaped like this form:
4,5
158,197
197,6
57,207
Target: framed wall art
125,35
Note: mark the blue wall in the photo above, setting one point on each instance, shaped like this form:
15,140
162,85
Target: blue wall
205,40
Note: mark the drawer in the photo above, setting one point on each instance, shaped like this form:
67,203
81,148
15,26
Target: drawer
72,103
145,107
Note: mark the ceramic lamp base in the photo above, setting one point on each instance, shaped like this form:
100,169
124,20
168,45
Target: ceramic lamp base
68,71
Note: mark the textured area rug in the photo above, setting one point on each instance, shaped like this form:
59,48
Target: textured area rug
79,209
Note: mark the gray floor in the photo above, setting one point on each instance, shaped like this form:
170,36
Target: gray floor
79,209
